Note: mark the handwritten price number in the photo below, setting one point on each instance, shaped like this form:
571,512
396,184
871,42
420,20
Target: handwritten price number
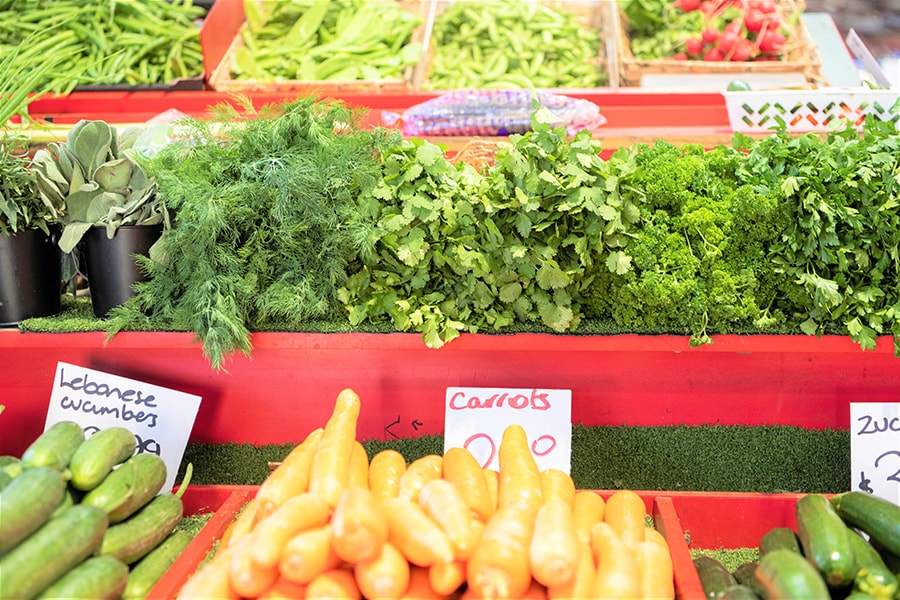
149,446
870,426
541,446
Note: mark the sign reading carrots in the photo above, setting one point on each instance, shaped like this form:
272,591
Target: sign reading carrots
475,418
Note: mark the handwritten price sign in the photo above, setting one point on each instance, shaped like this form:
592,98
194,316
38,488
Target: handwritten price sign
875,448
475,418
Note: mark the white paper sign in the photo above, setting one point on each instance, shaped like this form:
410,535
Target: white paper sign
159,417
875,448
475,418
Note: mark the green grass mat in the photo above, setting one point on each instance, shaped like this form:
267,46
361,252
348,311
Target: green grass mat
706,458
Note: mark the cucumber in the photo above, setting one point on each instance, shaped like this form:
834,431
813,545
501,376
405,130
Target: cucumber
129,487
13,468
149,570
97,456
714,577
135,537
55,447
98,578
875,516
27,503
779,537
825,539
738,592
872,575
5,479
784,574
48,553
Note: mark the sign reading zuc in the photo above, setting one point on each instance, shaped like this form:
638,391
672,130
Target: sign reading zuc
875,448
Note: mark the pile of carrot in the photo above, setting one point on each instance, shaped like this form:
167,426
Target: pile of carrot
330,523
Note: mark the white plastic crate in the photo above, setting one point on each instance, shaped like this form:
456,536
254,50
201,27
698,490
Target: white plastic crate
807,110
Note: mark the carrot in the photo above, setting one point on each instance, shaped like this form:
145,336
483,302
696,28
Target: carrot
555,482
384,576
420,539
627,514
492,478
358,526
445,578
211,580
358,476
308,554
445,505
617,571
385,470
271,535
242,524
535,591
655,536
419,585
499,568
330,470
248,579
587,508
581,584
461,468
337,583
520,479
655,570
553,550
290,478
284,589
417,474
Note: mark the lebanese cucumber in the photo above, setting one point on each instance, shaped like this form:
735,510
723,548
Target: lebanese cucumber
27,503
149,570
97,578
786,575
714,577
133,538
129,487
872,575
825,539
54,447
99,454
875,516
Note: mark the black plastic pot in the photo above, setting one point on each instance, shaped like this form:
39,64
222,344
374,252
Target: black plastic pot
30,276
109,263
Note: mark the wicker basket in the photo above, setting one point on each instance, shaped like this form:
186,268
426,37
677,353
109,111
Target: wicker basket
801,55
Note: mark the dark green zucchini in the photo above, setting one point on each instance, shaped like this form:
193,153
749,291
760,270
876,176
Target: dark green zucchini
714,577
779,537
786,575
825,540
738,592
875,516
872,575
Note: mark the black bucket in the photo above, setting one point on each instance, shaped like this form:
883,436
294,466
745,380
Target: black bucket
30,276
110,267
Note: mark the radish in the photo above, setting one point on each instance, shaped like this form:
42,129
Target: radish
680,56
753,20
687,5
766,6
772,41
693,46
713,54
710,35
728,41
743,51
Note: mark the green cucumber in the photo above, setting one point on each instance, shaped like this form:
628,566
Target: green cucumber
132,485
779,537
97,578
48,553
13,468
149,570
5,479
786,575
825,539
738,592
97,456
714,577
27,503
872,575
55,447
875,516
135,537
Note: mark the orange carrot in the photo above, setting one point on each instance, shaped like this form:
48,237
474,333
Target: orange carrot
358,526
553,550
271,535
419,586
284,589
384,576
445,505
535,591
492,478
330,470
211,580
556,482
581,584
337,583
446,578
520,479
627,513
385,470
290,478
308,554
418,538
461,469
242,524
657,575
499,567
418,473
655,536
587,508
358,476
617,571
248,579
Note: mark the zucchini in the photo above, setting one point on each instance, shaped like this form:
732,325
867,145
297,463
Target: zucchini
825,539
135,537
872,575
745,575
124,491
714,577
786,575
55,447
779,537
875,516
27,503
48,553
738,592
98,578
150,569
97,456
